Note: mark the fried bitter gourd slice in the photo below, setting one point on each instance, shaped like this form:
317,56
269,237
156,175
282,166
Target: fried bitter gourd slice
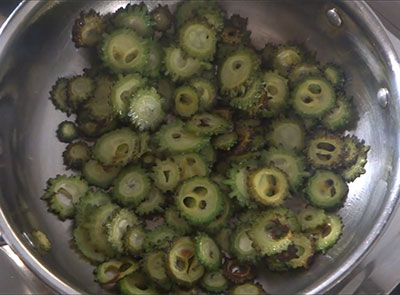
268,186
117,147
76,155
213,15
162,18
179,66
326,189
190,165
122,91
88,29
146,109
118,225
80,89
98,175
136,284
225,141
182,263
115,269
160,238
207,252
153,203
125,51
253,95
40,241
199,200
166,174
285,58
173,218
334,74
270,233
325,150
222,238
289,162
207,92
276,96
186,101
136,18
133,240
237,177
247,289
214,281
287,133
85,245
156,57
187,10
242,246
63,193
300,71
222,219
173,138
313,97
88,202
67,131
237,70
356,166
154,266
207,124
311,218
131,186
59,96
198,39
340,116
327,234
303,249
209,154
237,272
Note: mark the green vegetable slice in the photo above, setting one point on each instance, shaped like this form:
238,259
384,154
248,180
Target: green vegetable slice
352,148
269,186
90,201
91,128
334,74
357,169
292,221
340,116
311,218
222,238
136,284
88,29
166,174
199,200
198,40
238,272
222,219
40,241
326,189
154,266
313,97
182,263
207,93
173,138
225,141
253,96
207,252
133,240
67,131
113,270
236,71
85,245
122,92
287,161
325,151
117,147
80,89
214,281
186,101
328,234
173,218
179,66
286,57
135,18
270,233
156,57
59,96
247,289
187,10
76,155
125,51
153,203
208,154
207,124
287,133
146,109
118,225
162,18
63,193
98,175
242,246
214,16
160,238
166,89
301,71
304,249
131,186
191,165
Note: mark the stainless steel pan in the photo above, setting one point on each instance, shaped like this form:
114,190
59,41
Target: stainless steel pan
35,49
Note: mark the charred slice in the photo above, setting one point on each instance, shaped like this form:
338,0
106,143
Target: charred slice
88,29
76,155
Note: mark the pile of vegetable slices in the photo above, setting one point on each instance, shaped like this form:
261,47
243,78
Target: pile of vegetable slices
189,145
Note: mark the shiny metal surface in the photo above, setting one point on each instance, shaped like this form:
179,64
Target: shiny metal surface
35,49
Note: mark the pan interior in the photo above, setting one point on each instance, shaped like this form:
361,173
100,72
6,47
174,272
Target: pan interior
30,153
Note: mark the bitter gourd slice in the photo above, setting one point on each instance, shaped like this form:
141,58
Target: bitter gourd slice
242,246
135,18
213,15
340,116
222,238
237,272
207,252
166,174
254,93
222,219
162,18
191,165
328,234
247,289
160,238
214,281
76,155
40,241
286,57
325,151
153,203
156,57
67,131
311,218
334,74
207,124
136,284
225,141
59,96
304,247
287,133
207,92
173,218
154,266
186,101
301,71
80,89
179,66
98,175
357,169
113,270
133,240
88,29
89,202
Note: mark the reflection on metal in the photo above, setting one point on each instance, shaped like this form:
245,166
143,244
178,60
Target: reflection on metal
334,17
383,97
2,242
